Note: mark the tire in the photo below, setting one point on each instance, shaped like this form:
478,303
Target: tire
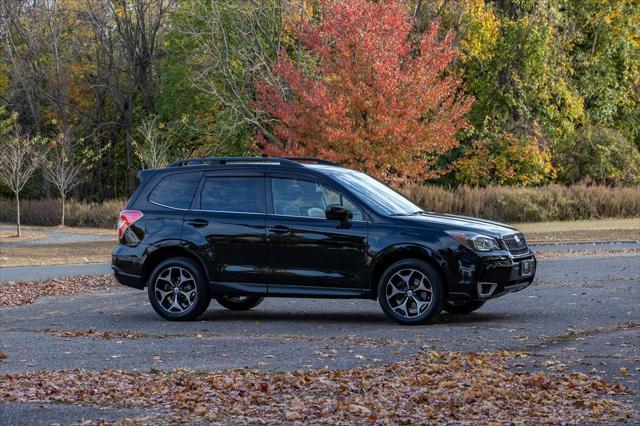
414,304
463,308
186,276
239,303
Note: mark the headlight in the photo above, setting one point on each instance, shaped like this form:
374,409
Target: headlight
475,241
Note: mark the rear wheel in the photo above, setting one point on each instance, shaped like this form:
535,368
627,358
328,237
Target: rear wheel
177,290
410,292
462,307
239,303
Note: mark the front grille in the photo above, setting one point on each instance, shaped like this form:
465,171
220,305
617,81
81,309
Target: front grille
516,244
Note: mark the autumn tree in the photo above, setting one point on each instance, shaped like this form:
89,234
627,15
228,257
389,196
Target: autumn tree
368,97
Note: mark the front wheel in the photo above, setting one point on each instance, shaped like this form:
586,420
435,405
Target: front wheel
177,290
462,307
239,303
410,292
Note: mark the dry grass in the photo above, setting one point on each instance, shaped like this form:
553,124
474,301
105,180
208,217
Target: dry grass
519,204
46,212
506,204
57,254
11,237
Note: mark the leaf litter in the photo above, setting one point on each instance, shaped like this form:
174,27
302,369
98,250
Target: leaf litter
18,293
440,387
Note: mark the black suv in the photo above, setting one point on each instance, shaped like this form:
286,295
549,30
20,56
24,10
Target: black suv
240,229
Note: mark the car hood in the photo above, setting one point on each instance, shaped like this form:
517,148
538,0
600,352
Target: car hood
451,222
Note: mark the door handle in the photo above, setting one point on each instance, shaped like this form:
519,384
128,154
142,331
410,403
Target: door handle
198,223
279,229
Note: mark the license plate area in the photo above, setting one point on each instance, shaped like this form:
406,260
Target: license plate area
527,268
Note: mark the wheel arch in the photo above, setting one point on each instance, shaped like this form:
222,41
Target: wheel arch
168,250
405,251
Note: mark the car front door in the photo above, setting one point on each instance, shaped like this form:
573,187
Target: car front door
308,253
229,216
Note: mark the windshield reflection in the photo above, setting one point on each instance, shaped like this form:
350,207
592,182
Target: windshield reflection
375,194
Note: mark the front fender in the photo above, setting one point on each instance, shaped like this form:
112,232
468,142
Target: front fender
399,251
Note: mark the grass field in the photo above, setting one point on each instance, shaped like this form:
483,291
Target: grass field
57,254
582,230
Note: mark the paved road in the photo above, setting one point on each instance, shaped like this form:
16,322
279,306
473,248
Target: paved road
54,236
581,311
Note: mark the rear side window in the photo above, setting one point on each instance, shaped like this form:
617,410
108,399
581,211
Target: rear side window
176,190
233,194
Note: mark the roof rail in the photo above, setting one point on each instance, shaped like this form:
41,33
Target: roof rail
311,160
289,161
227,160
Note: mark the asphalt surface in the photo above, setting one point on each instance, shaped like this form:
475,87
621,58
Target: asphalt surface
582,312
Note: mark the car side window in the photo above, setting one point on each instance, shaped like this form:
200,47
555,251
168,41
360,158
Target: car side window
233,194
295,197
176,190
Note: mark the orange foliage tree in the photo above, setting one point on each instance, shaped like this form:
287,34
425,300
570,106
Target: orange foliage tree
371,99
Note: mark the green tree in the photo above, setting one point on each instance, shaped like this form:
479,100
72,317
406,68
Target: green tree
606,62
599,154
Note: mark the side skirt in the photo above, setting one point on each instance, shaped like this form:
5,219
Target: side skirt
275,290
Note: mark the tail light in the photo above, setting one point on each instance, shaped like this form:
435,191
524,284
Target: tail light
127,217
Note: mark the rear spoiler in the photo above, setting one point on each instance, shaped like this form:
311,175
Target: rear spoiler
144,175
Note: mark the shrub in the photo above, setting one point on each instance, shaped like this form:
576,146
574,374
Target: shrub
524,204
507,160
46,212
503,203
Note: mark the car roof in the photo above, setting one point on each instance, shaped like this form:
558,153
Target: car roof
271,163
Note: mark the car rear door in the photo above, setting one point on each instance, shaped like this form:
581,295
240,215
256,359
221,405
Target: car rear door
307,253
229,217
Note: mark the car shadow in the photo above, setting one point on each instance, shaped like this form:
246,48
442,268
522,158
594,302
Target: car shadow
297,317
355,318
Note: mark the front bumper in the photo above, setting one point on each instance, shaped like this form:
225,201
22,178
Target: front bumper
496,276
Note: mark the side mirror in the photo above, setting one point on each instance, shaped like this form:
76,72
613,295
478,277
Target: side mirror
337,212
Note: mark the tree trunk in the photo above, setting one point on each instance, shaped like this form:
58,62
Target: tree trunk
62,218
18,213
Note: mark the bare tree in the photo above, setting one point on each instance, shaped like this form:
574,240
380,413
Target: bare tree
63,170
155,142
237,44
129,38
152,150
20,157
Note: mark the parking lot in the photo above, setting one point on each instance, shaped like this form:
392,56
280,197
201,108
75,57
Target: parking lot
581,314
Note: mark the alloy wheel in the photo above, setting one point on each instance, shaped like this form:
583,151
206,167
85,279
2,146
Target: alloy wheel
409,293
175,290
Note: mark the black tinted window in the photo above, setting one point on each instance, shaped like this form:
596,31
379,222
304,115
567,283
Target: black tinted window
233,194
176,190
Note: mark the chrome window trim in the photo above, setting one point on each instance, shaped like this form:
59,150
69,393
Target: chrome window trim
169,207
225,211
313,217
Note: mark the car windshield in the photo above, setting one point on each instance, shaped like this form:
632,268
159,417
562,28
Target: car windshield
375,194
